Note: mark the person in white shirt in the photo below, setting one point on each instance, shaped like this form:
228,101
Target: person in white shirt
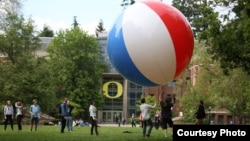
146,117
8,114
19,114
133,120
93,120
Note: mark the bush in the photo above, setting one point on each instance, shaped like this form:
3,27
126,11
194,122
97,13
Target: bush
136,119
56,121
46,123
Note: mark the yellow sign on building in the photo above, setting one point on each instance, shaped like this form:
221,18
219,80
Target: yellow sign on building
119,89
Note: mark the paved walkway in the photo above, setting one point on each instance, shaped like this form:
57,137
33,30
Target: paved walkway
130,125
116,125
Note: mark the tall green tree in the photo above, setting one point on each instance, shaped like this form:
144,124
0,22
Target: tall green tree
228,34
232,92
46,32
196,12
17,38
9,6
216,89
75,60
199,86
100,28
23,75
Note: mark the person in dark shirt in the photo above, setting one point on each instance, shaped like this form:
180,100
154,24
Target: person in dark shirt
166,113
200,113
63,112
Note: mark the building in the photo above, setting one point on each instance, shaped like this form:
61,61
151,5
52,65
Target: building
121,94
124,105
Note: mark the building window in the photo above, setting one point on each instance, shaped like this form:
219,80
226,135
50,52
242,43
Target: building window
220,119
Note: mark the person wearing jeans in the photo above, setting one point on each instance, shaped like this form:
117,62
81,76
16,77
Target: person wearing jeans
146,117
63,112
69,119
35,114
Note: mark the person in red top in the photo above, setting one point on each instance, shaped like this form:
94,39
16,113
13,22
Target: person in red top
140,118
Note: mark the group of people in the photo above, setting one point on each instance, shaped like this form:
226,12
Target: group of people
65,110
165,115
16,111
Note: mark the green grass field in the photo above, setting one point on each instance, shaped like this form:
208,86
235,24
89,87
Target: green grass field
52,133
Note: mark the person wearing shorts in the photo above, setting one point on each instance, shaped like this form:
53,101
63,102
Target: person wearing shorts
166,113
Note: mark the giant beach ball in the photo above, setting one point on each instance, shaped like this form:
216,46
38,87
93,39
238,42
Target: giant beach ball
150,43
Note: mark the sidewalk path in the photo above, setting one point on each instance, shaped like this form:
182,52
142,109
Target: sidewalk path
116,125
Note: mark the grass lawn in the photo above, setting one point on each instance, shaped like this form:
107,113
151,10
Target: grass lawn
52,133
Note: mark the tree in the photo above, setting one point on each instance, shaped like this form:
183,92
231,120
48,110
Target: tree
196,12
99,28
46,32
233,93
17,39
75,60
216,89
228,35
126,3
75,23
23,75
199,87
9,6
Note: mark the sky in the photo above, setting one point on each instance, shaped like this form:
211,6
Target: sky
59,14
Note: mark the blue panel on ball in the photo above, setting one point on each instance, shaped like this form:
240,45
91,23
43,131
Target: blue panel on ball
120,58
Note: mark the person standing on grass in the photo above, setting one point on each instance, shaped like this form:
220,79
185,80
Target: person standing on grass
133,120
123,121
35,114
166,113
157,119
8,115
119,119
146,117
69,119
63,112
19,114
200,113
93,120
